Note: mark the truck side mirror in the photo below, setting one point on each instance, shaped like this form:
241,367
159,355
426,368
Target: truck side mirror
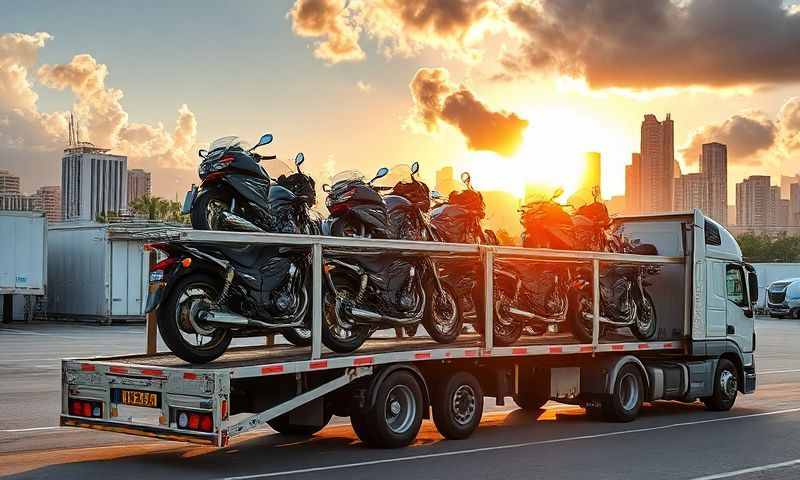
752,285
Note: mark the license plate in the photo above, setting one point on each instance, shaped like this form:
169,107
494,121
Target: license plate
189,200
138,398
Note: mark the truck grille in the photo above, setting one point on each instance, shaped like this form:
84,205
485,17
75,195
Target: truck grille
777,297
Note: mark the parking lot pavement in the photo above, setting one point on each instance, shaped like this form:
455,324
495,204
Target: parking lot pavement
757,439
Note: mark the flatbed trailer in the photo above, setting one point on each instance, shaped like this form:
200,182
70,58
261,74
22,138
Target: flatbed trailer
389,385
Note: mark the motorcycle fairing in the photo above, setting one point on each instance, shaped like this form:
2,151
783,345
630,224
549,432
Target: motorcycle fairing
452,222
254,190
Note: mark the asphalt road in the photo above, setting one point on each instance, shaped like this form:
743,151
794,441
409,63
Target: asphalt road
758,439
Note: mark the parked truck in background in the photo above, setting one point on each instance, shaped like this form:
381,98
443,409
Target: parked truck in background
23,257
783,298
703,350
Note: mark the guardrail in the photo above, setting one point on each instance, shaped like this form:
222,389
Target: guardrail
486,253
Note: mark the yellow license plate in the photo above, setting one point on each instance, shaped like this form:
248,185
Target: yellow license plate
139,398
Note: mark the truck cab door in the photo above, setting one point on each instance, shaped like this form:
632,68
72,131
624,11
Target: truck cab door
739,314
716,300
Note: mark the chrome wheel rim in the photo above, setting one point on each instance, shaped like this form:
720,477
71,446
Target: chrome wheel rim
213,211
400,409
629,391
728,384
464,405
193,332
444,312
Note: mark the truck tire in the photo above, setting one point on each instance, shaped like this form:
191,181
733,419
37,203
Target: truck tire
396,416
281,425
457,405
534,389
625,401
725,387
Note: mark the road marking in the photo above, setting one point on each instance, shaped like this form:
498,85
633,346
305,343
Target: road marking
773,372
25,332
506,447
744,471
32,429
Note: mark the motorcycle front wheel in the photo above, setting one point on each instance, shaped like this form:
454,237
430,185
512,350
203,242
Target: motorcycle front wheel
506,329
299,337
580,306
443,320
186,337
646,325
206,210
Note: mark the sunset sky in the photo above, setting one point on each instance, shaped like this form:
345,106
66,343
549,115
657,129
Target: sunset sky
513,91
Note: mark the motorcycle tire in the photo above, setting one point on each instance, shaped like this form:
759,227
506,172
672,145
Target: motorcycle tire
346,227
646,331
299,337
171,332
199,213
430,321
508,333
333,340
581,329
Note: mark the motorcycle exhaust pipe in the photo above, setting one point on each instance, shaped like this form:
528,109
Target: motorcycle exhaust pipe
532,316
373,317
235,320
608,321
237,223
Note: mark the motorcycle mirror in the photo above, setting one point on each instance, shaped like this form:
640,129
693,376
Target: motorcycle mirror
381,173
559,191
265,139
596,192
203,153
436,195
466,179
414,168
299,159
326,188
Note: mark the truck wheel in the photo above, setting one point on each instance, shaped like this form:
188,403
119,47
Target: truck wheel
534,389
626,400
725,387
457,406
281,425
395,418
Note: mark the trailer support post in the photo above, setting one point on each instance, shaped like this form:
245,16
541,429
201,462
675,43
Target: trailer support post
316,296
488,297
8,307
595,303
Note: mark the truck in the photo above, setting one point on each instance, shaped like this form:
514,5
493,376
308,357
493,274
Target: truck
703,349
23,257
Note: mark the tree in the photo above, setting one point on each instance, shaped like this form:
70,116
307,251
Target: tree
157,208
763,248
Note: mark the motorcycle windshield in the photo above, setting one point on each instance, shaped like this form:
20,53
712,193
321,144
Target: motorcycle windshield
221,145
276,168
347,176
397,174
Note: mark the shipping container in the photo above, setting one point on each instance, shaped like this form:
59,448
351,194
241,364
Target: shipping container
23,256
98,272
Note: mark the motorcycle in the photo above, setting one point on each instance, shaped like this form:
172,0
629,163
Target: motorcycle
535,297
382,289
458,220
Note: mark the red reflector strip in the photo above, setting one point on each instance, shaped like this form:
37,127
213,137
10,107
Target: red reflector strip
151,371
668,345
644,346
519,351
271,369
318,364
189,376
618,346
118,370
555,349
362,361
586,348
422,356
86,367
471,353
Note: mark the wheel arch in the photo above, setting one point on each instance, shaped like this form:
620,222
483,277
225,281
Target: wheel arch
379,377
616,365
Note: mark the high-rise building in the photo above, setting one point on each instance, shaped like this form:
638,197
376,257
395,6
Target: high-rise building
138,184
690,191
445,182
93,182
754,198
794,204
786,184
633,180
657,164
8,183
714,168
781,210
731,214
48,200
616,205
16,201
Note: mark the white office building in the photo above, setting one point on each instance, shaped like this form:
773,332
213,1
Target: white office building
93,182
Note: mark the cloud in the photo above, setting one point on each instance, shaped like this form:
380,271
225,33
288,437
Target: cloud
327,19
437,99
789,121
32,141
657,43
401,27
364,87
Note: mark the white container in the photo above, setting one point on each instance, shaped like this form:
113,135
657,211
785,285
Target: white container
23,253
98,272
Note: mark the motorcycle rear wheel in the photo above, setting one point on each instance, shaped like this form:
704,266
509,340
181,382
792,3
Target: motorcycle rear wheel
335,336
506,329
173,322
579,304
443,320
646,322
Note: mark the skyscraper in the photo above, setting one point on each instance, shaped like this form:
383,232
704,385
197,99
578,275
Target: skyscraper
48,200
8,183
690,191
794,204
633,180
657,164
786,184
138,184
753,199
714,168
93,182
445,182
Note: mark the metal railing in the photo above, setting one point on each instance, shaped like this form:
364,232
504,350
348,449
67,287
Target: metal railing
486,253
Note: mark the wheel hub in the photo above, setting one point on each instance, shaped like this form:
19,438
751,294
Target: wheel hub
727,383
463,404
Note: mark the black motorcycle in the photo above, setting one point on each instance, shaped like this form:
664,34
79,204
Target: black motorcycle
375,290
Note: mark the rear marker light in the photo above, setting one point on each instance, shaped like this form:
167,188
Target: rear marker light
198,421
194,421
86,408
183,420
